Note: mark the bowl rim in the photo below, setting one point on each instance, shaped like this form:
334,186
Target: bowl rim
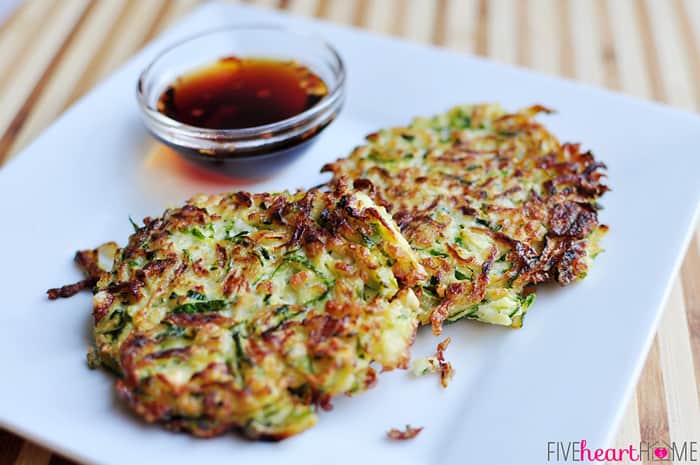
334,94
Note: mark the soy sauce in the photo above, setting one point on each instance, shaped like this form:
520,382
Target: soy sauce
235,93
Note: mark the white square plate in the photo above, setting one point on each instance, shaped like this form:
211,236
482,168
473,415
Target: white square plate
564,376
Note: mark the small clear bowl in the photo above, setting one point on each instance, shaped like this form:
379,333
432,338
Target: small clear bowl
248,152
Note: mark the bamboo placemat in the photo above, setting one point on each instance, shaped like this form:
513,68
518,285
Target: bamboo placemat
53,51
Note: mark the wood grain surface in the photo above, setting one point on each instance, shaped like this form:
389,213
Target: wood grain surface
54,51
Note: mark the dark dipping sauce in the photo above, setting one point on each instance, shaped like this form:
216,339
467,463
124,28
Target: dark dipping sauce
236,93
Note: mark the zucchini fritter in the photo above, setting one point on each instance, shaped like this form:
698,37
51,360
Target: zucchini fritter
247,311
491,202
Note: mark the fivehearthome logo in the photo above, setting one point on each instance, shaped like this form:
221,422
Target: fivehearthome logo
659,451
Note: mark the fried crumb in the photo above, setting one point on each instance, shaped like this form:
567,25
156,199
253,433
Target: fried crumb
445,367
435,364
408,433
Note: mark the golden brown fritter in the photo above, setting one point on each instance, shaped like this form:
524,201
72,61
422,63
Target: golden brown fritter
491,202
248,311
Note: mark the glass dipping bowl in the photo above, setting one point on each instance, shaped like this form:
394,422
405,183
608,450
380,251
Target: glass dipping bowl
248,152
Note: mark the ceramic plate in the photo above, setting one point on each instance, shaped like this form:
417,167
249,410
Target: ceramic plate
564,376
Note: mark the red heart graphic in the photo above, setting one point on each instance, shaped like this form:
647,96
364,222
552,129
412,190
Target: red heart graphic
661,452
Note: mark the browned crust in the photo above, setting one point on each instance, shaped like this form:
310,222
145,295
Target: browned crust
70,290
88,261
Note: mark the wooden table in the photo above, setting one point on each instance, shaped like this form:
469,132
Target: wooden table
54,51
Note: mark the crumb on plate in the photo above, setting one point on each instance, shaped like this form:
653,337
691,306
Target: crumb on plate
435,364
408,433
